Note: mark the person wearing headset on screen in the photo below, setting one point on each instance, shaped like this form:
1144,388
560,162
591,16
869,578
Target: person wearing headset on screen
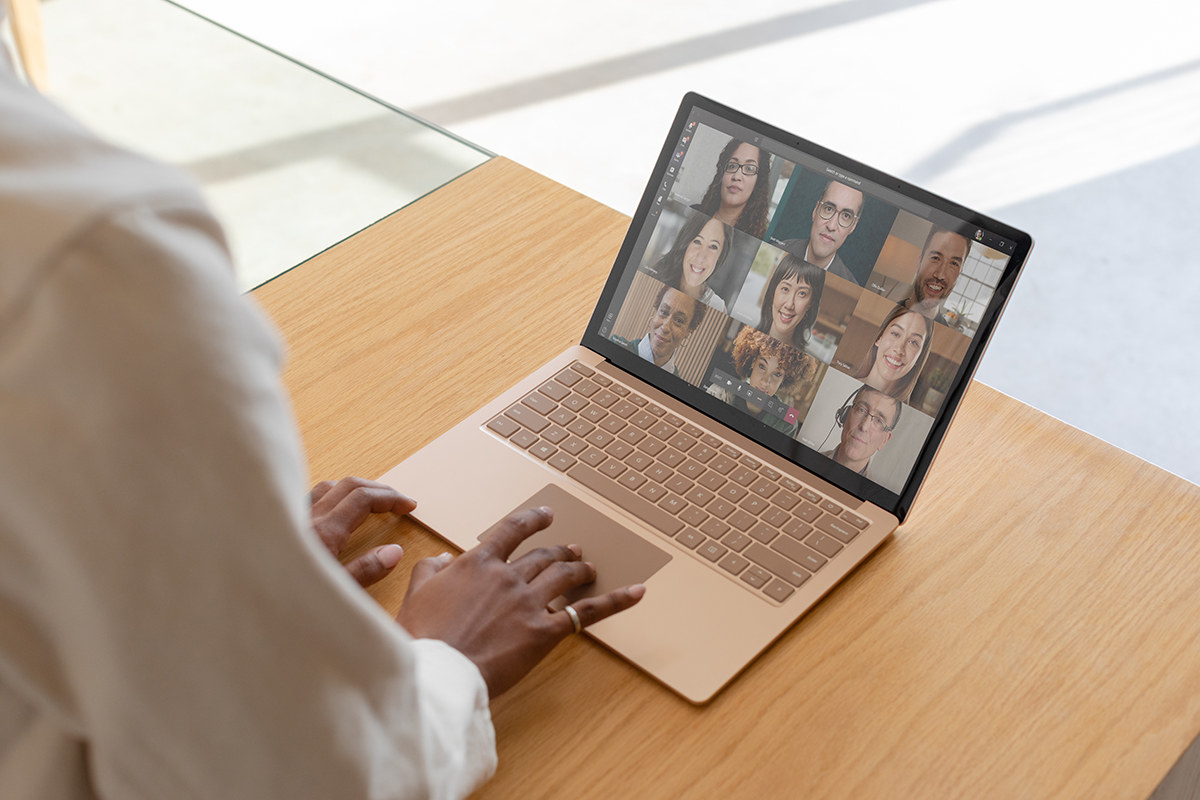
867,420
834,218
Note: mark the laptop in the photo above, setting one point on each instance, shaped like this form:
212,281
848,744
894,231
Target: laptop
758,396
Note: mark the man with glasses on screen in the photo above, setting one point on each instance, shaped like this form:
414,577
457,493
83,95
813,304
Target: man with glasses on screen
834,218
867,421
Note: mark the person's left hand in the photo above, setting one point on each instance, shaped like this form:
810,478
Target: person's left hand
339,508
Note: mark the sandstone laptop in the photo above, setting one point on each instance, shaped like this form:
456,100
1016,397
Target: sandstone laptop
765,380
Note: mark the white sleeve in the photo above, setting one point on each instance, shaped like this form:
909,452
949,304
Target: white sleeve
164,604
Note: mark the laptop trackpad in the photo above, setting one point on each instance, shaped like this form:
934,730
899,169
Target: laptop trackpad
621,556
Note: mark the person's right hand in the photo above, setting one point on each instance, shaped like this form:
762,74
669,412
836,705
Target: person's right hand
495,612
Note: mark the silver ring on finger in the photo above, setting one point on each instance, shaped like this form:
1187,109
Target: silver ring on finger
574,615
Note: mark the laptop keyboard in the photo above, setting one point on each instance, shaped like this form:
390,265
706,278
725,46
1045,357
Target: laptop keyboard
766,531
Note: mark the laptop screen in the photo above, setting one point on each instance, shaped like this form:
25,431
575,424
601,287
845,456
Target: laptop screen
828,311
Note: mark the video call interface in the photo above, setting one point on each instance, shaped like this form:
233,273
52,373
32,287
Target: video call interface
832,311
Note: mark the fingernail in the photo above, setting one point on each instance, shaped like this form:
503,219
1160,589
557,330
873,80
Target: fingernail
445,558
637,590
576,549
390,555
548,511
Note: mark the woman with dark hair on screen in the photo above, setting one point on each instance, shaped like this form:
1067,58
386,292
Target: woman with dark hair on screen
899,353
770,367
739,194
790,303
699,251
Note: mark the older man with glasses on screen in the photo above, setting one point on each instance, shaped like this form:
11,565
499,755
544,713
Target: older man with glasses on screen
867,421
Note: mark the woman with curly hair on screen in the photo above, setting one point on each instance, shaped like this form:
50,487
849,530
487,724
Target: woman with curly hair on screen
770,367
739,193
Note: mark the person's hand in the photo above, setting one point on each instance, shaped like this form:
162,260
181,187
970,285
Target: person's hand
339,508
495,613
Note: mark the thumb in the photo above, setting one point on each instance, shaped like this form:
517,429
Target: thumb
375,565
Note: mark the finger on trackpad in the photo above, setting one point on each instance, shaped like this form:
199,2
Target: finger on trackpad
621,556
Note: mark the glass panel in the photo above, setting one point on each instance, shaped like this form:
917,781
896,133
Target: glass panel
291,161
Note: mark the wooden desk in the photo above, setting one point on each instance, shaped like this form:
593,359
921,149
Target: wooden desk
1032,631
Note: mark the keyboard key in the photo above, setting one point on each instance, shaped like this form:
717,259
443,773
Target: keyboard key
830,507
763,533
523,438
764,488
672,458
542,450
854,519
612,424
711,550
568,377
619,449
690,538
843,532
776,564
554,434
741,520
825,545
639,461
594,457
797,552
613,468
561,461
574,445
652,491
632,479
722,464
734,564
504,426
604,398
756,576
540,403
743,476
797,529
785,500
672,504
807,512
631,434
699,495
735,541
778,590
731,492
554,390
527,417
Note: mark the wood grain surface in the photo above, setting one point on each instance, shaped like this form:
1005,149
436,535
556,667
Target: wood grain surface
1031,631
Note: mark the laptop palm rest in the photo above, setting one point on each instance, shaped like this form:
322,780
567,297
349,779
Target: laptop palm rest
621,556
